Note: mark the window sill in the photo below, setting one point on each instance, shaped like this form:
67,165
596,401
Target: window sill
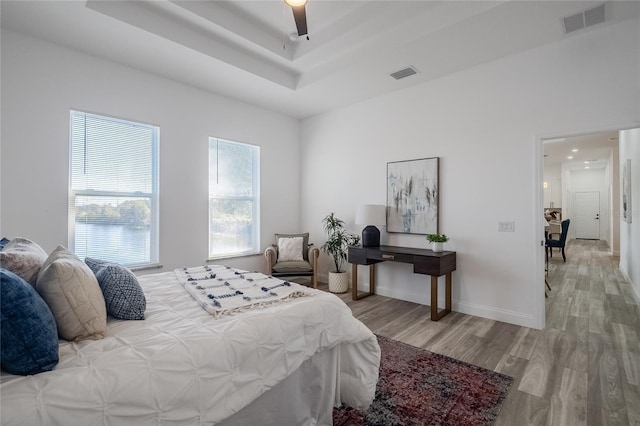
146,267
234,256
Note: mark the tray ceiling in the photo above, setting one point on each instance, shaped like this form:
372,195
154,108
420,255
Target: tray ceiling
243,50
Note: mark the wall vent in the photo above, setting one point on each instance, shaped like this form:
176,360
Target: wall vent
584,19
406,72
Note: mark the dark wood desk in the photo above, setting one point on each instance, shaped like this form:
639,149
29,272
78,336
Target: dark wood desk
424,261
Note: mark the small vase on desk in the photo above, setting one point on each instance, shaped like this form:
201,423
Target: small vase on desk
436,247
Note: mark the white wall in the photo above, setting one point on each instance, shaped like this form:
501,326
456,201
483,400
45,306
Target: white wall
553,191
486,125
630,232
41,82
613,211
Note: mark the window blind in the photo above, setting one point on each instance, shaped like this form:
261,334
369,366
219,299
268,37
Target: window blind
233,198
113,189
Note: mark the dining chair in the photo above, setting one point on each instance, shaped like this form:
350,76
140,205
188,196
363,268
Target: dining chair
559,243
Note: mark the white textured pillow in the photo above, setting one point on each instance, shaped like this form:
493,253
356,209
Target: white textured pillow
72,292
290,249
24,258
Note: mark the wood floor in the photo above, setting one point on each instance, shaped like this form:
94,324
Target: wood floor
583,369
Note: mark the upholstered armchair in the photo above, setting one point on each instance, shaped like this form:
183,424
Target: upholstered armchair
293,256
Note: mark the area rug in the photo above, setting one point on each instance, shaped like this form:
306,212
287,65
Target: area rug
418,387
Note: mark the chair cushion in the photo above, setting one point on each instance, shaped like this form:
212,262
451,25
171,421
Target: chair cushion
292,267
24,258
122,292
29,337
290,249
72,292
305,242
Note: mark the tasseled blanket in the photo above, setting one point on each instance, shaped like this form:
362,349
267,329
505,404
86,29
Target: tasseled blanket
222,290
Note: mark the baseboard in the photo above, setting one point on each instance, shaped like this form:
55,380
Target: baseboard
634,291
489,312
496,314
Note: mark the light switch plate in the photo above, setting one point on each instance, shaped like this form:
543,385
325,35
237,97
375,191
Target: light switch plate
506,226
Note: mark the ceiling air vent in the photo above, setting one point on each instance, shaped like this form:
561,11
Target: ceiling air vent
594,16
406,72
583,19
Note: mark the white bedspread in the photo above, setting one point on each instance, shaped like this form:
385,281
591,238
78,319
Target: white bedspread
181,365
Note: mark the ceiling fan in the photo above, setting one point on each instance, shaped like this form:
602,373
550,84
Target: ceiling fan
299,15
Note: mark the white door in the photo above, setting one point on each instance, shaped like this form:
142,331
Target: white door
587,215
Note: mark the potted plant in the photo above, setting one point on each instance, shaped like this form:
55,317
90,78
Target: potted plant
437,241
337,245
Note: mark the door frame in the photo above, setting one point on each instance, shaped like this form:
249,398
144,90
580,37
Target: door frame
538,201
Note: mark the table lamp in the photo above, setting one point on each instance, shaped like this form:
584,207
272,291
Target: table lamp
371,215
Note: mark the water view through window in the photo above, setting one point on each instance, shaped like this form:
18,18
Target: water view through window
131,244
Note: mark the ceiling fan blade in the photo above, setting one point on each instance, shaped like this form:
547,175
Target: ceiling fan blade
300,16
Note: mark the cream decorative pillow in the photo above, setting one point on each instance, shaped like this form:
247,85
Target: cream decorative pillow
72,292
290,249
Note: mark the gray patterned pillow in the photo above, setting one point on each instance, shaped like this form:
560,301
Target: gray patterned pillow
95,264
122,292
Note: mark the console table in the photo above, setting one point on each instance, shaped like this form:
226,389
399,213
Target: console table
424,261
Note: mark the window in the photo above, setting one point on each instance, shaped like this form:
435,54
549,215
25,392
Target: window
234,202
113,211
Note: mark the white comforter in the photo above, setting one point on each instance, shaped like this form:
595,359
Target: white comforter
183,366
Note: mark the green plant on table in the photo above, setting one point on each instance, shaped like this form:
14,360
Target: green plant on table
437,238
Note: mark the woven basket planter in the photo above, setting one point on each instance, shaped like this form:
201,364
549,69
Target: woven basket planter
338,282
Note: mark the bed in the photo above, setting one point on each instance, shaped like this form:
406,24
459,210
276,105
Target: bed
288,363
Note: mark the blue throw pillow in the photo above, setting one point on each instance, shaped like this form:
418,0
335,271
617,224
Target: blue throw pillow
122,292
3,242
29,336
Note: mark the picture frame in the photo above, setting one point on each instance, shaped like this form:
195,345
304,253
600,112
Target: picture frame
413,196
626,191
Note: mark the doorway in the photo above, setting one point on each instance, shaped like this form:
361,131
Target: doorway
579,174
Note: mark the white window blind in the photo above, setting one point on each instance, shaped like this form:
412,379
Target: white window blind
113,212
234,202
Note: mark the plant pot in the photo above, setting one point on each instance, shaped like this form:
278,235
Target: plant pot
437,247
338,282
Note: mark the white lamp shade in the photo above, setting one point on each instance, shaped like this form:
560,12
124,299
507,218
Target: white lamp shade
371,214
295,3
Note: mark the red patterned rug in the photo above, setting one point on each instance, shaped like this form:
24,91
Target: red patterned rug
418,387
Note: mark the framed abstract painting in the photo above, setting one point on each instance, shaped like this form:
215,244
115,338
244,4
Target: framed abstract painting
412,196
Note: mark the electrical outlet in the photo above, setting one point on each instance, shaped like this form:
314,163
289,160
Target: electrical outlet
506,226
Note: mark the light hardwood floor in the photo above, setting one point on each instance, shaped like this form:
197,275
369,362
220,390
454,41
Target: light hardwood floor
583,369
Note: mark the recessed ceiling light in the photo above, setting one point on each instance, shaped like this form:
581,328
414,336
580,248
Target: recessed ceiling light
586,167
586,162
570,157
574,150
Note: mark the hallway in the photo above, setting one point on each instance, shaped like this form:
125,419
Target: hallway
595,322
